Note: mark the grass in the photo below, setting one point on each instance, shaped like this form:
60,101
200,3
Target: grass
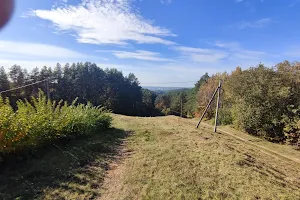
66,170
163,158
173,160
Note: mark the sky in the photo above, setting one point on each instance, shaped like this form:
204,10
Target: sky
163,42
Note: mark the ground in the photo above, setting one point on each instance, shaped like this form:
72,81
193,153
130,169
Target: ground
158,158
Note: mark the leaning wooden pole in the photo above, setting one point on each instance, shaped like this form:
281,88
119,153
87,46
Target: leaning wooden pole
208,105
181,108
47,88
217,107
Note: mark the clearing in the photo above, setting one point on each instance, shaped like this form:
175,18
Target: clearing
170,159
157,158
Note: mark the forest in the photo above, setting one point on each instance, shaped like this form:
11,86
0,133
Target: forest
85,81
262,101
64,103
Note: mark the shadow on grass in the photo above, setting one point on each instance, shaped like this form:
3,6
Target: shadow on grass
67,170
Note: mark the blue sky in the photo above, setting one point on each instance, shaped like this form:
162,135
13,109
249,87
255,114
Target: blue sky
158,40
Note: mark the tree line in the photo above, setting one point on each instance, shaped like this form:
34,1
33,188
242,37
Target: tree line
85,81
169,103
261,101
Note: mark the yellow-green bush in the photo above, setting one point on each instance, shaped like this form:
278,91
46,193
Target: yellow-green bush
41,121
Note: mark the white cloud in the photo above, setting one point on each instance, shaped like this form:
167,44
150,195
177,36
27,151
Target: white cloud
255,24
27,64
31,55
185,49
105,22
248,55
140,55
201,54
166,1
26,50
228,45
220,52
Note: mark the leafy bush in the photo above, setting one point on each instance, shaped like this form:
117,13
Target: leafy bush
225,117
265,101
262,101
41,121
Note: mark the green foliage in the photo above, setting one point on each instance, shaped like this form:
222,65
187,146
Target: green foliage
85,81
225,117
170,102
42,121
260,97
262,101
4,82
206,91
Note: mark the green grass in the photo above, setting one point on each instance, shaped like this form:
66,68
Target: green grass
173,160
162,158
67,170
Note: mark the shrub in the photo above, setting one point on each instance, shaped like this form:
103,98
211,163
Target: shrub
225,117
41,121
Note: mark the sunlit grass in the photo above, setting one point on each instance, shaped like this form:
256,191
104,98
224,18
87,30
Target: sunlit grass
173,160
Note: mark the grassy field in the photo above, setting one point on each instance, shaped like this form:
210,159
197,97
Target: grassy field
170,159
66,170
155,158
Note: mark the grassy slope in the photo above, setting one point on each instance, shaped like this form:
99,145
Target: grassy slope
73,170
164,158
173,160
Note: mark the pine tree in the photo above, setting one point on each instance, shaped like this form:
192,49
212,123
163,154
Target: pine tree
4,82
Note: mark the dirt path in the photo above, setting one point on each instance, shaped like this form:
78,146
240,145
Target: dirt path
114,175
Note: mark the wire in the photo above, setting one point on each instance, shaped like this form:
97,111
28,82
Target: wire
22,86
171,82
46,80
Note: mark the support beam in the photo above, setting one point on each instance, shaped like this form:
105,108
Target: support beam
217,107
208,105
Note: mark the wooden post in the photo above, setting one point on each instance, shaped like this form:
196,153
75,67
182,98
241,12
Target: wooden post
48,91
181,107
212,98
217,107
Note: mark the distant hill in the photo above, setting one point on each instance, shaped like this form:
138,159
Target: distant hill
159,89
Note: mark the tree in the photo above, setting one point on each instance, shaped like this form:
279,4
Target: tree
17,76
260,98
191,105
4,82
206,91
148,100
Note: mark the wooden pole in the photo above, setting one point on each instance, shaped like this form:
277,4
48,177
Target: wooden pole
181,107
48,91
217,107
212,98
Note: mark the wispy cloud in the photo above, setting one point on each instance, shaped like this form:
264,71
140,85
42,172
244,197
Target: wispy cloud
26,50
166,1
255,24
220,52
105,22
140,55
201,55
228,45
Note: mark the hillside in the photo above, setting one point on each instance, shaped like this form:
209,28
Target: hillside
158,158
170,159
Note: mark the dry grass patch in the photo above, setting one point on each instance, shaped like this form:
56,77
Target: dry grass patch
173,160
